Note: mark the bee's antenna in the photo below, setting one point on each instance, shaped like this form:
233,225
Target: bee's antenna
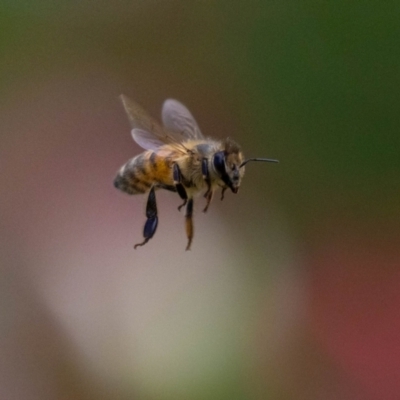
257,159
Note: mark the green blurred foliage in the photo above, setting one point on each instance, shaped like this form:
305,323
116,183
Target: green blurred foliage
325,76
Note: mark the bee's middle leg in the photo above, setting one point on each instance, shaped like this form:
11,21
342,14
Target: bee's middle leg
223,193
209,195
179,186
152,219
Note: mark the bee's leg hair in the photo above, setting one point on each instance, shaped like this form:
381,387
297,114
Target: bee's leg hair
152,220
189,222
179,186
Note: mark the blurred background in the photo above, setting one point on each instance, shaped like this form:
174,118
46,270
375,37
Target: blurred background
292,287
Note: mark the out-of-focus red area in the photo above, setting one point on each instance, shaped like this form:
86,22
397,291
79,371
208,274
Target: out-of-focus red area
355,308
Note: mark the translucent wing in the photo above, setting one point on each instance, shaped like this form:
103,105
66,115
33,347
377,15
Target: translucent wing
177,118
145,139
146,131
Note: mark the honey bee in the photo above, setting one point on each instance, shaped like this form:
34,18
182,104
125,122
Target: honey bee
180,159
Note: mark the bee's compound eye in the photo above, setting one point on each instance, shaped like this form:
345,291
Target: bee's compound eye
219,165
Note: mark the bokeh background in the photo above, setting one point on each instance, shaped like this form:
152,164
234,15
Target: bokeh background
292,287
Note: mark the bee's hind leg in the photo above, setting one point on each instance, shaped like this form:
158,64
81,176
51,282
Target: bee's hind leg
189,222
179,186
152,219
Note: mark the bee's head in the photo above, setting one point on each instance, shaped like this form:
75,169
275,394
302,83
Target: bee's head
227,164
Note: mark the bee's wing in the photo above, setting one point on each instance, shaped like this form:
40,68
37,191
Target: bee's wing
145,139
146,131
177,118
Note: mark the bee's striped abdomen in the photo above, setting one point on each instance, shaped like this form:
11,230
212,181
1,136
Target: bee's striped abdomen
133,177
143,171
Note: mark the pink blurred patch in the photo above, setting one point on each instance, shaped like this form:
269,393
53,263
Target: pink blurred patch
355,310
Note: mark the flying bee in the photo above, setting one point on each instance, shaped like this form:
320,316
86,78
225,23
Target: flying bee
180,159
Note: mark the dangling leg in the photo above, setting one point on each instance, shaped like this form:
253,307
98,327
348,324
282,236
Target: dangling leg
223,193
152,220
179,186
209,195
189,222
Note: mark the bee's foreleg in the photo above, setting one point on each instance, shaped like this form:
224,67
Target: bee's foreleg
152,220
189,222
179,186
